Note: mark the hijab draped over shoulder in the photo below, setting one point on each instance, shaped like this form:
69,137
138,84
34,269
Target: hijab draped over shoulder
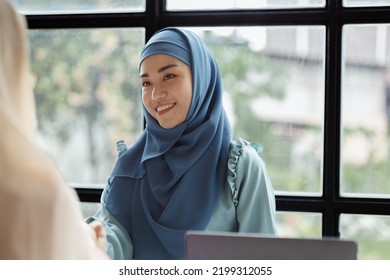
170,180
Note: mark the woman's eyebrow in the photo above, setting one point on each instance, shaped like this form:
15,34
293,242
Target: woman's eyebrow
162,69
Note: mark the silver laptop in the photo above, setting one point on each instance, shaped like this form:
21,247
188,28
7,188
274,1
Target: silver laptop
203,245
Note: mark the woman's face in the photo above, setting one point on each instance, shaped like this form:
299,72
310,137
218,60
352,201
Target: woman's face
166,89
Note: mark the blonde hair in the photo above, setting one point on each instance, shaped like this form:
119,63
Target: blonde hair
16,97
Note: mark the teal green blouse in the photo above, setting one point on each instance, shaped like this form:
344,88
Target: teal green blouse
247,203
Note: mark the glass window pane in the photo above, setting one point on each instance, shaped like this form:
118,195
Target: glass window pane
273,79
365,160
65,6
371,233
296,224
88,97
242,4
366,3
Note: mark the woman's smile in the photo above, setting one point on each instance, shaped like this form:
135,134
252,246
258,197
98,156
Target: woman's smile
162,109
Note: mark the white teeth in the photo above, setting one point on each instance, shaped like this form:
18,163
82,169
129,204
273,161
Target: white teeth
161,108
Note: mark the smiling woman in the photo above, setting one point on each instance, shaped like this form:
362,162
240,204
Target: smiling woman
185,172
166,89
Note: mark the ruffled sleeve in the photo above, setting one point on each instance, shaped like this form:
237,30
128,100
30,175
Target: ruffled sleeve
251,188
235,153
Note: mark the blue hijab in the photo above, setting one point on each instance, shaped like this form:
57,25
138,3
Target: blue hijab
170,180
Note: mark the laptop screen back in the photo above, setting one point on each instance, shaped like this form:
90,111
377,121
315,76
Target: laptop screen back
227,246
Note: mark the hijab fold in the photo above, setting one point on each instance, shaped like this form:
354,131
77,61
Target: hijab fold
172,179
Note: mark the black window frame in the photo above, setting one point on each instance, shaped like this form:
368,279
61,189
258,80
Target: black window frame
333,16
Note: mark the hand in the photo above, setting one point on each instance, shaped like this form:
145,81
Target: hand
98,234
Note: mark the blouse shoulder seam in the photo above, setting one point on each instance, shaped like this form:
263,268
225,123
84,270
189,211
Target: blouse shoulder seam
237,148
234,155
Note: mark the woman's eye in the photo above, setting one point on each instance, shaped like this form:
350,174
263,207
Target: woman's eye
145,84
169,76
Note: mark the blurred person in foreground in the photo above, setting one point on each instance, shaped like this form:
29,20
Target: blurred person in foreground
39,214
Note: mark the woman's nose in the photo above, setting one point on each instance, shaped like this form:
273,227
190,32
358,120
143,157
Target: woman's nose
158,92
